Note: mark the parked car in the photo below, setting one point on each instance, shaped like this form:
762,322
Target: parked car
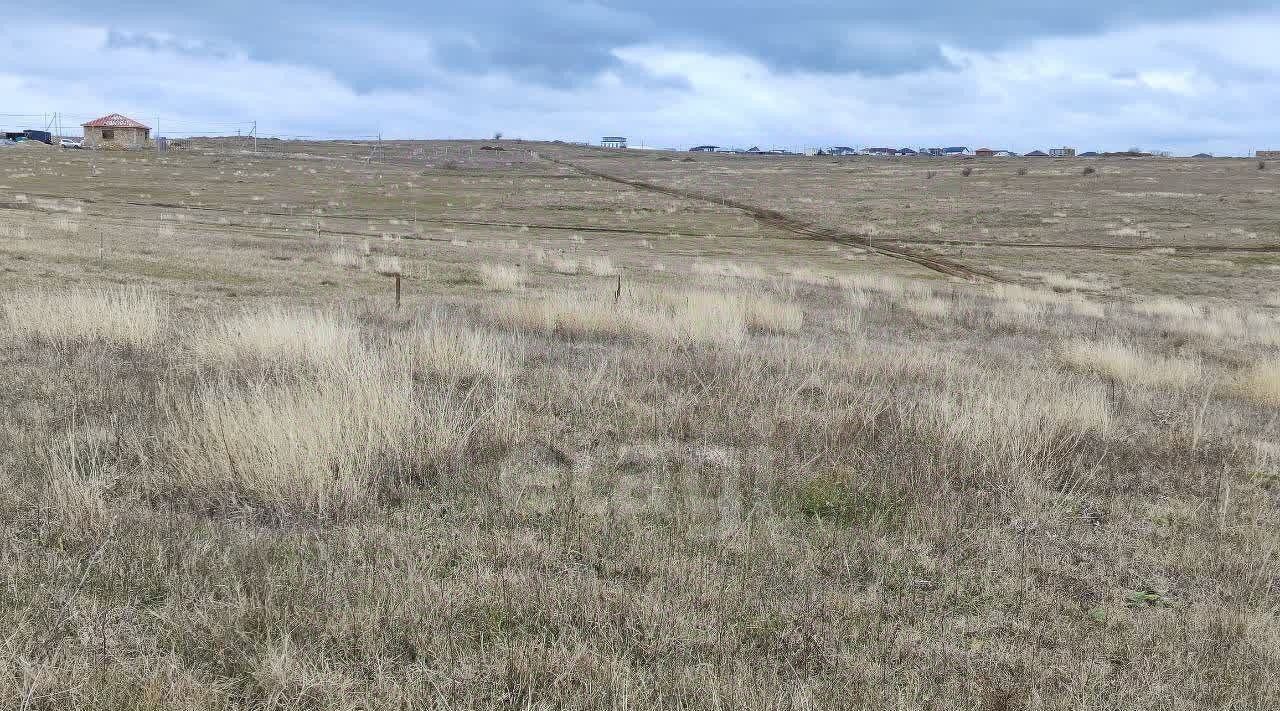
69,143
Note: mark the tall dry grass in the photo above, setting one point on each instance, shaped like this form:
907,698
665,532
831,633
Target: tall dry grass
128,316
275,335
325,448
1260,381
1128,364
687,317
601,265
501,277
564,265
345,258
455,349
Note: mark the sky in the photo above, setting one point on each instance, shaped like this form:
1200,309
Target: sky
1179,75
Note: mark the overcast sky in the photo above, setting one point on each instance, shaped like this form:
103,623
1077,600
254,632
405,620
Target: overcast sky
1182,75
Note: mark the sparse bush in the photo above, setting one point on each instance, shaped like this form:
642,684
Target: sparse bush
501,277
66,225
967,171
929,307
1090,170
346,259
564,265
600,266
1022,172
726,269
388,266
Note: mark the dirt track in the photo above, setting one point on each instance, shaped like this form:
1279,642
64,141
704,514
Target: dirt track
781,221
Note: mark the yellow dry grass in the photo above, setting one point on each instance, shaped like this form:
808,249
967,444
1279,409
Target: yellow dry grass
1127,364
277,335
127,316
501,277
1260,381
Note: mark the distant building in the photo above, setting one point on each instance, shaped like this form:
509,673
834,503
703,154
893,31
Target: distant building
984,152
1269,155
880,151
1037,154
841,151
1202,155
906,152
116,131
1062,152
613,142
1006,154
1088,154
956,151
704,149
933,151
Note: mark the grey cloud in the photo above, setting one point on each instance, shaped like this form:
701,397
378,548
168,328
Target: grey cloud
562,43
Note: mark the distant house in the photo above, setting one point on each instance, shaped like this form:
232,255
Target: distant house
1088,154
984,152
841,151
1006,154
906,152
934,151
1037,154
1269,155
613,142
880,151
956,151
1202,155
116,131
704,149
1062,152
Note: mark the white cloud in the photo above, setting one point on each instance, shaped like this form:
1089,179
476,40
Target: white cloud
1187,87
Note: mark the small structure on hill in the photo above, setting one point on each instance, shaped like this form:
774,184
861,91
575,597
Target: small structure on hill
114,131
613,142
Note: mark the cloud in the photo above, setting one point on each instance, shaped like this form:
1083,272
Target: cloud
1182,84
569,42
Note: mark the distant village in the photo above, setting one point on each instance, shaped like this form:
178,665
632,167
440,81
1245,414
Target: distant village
117,132
937,152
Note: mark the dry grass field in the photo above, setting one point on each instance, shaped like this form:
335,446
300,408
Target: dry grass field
624,447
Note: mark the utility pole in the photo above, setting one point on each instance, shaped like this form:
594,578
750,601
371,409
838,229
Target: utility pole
255,136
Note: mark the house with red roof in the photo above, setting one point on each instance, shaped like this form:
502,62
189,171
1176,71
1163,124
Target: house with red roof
114,131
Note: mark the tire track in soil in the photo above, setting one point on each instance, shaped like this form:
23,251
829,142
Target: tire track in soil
787,223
